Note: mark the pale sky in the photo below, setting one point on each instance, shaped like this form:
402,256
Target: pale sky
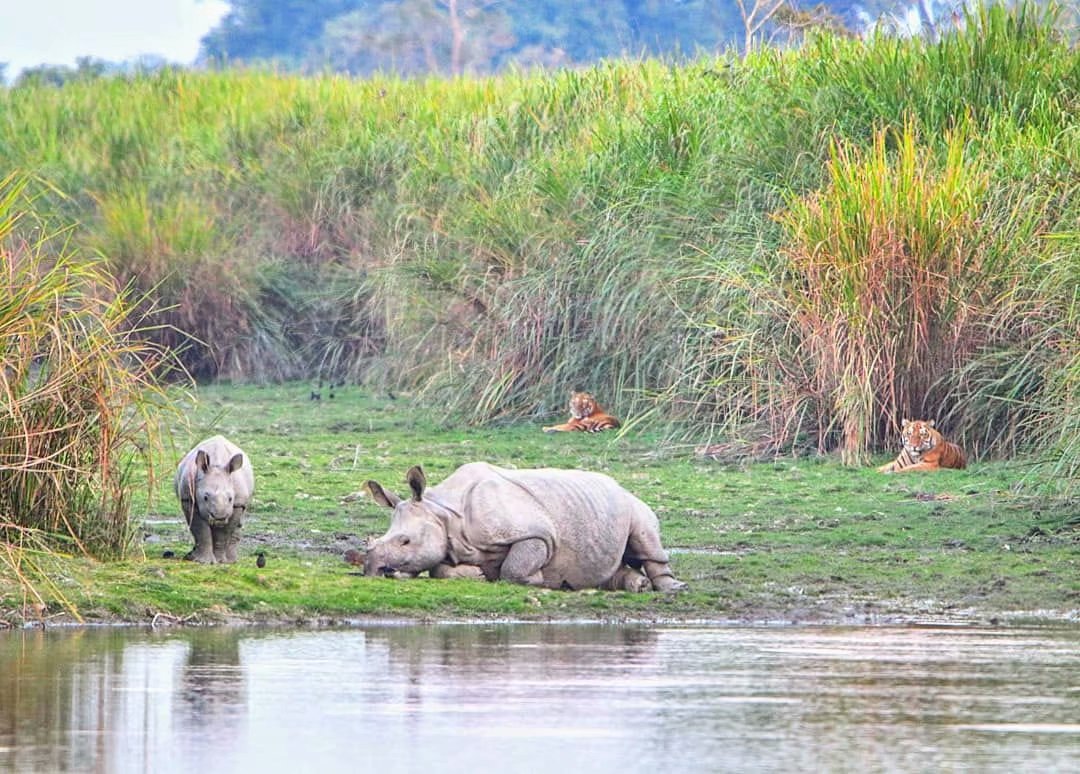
57,32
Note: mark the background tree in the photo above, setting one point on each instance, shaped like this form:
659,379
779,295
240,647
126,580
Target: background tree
283,30
755,14
414,37
86,68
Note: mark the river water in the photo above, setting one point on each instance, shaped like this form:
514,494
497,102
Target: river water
541,698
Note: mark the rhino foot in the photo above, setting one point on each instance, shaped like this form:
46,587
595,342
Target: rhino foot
663,579
629,579
668,583
205,557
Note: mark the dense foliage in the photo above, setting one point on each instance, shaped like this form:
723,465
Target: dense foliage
412,37
797,248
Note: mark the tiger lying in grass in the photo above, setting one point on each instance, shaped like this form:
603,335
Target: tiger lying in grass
585,415
924,449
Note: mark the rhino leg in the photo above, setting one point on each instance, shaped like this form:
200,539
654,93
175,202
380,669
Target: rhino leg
232,543
628,579
203,552
524,561
643,549
220,537
457,571
231,535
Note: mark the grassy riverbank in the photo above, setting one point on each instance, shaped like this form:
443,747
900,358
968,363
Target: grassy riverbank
793,540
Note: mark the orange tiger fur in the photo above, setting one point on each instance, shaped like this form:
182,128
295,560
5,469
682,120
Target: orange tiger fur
924,449
585,415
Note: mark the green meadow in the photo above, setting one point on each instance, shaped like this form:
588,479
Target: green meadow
779,257
791,540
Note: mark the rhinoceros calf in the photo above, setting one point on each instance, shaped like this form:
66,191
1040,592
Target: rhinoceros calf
214,483
565,529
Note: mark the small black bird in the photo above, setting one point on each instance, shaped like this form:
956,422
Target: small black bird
315,395
260,560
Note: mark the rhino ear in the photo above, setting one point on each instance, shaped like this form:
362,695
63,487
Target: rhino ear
202,460
381,496
235,463
417,481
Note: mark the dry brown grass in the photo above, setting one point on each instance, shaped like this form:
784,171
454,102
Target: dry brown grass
80,403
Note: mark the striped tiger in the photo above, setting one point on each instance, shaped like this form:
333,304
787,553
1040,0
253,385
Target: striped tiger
585,415
924,449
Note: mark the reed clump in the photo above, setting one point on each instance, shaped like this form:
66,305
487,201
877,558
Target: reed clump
888,281
81,401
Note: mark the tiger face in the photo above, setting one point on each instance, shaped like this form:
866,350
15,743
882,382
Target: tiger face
582,405
919,436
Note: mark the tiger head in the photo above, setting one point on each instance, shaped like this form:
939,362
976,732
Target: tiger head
582,404
919,435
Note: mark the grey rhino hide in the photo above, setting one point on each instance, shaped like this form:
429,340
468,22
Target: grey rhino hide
214,483
568,529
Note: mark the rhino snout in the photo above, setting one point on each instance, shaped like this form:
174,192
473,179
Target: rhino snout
386,571
390,558
375,565
372,566
217,507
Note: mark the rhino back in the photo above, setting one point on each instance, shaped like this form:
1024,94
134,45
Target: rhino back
220,450
585,518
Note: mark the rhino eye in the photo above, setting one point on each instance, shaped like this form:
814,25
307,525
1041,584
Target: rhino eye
405,541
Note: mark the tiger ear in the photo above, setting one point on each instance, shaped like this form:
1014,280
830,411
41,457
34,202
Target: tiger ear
929,423
905,423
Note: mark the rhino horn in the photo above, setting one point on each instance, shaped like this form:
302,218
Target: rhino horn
382,496
417,482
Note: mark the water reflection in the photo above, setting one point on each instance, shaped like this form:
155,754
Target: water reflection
210,701
532,698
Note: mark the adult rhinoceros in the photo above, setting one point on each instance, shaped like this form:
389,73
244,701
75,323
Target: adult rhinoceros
544,527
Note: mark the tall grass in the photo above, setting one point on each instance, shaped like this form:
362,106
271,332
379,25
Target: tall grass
669,237
80,401
1055,427
887,275
1029,384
